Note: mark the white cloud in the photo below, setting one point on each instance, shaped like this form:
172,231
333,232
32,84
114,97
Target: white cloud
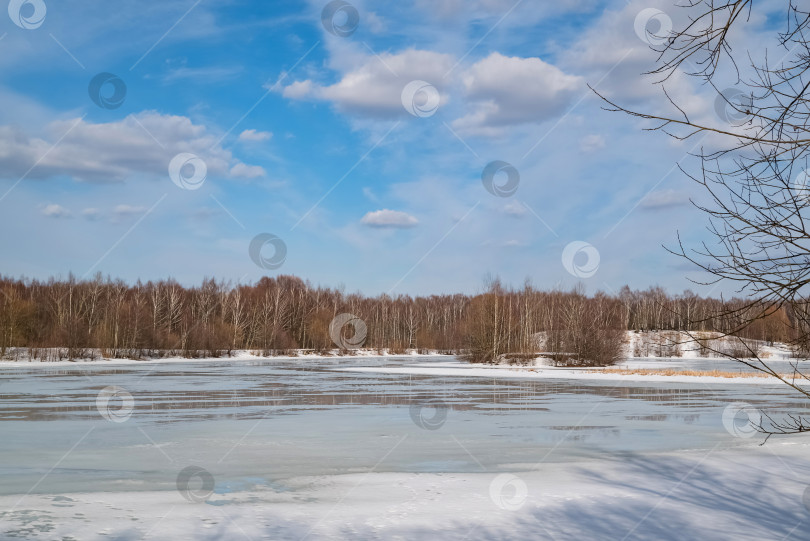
664,199
121,211
495,92
513,208
56,211
591,143
507,91
114,214
255,136
138,145
374,22
466,11
614,58
374,86
299,90
91,213
203,75
240,170
389,219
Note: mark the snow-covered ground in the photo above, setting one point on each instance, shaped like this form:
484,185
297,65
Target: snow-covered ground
679,344
390,448
755,494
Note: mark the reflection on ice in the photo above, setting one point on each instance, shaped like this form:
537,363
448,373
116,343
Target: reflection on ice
211,440
270,419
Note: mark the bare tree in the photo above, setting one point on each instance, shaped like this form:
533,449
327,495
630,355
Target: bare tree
755,171
73,318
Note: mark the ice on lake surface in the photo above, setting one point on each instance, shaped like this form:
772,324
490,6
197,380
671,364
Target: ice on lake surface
291,439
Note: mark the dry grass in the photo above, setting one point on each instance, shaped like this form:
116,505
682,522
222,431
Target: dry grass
694,373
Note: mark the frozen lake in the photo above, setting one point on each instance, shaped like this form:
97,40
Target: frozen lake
260,427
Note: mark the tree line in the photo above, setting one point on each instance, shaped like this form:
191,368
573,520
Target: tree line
72,318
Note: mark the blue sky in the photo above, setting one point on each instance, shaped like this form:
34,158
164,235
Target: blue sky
306,135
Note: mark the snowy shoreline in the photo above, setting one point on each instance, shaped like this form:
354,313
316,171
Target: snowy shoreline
669,345
585,374
643,352
441,369
662,496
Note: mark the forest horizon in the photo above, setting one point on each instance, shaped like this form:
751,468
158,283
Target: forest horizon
276,315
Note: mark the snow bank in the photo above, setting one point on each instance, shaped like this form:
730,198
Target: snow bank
667,344
459,369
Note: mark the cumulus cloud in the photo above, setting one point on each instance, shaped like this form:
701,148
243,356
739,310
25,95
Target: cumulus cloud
612,53
506,91
493,93
56,211
374,86
240,170
299,90
389,219
664,199
255,136
138,145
